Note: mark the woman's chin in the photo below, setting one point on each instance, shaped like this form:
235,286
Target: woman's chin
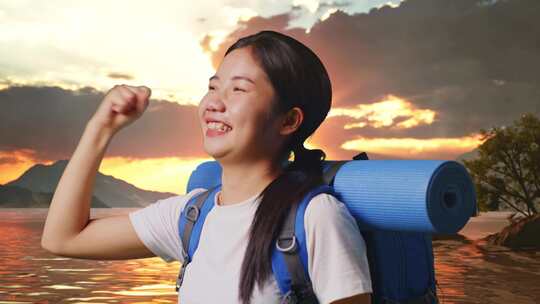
215,152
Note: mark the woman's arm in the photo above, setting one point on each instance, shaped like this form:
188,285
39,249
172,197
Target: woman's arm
68,230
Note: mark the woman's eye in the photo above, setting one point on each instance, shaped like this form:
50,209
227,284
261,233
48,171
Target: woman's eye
238,89
210,87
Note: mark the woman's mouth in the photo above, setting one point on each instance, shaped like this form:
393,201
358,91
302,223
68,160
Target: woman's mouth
217,129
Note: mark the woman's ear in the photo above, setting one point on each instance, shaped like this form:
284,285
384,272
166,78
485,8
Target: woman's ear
292,121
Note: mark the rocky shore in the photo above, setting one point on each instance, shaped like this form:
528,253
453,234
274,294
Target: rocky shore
522,233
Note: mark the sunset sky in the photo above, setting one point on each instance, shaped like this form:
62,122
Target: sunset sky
413,79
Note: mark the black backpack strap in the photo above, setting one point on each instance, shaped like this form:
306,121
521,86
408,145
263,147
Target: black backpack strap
301,289
361,156
191,214
330,173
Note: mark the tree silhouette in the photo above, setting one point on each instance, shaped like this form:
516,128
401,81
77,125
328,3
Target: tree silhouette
507,170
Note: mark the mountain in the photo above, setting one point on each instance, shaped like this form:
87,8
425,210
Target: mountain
17,197
35,187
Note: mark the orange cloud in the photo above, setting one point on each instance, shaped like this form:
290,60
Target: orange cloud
14,164
414,148
385,113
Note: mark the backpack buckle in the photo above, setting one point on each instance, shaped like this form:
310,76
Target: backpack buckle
290,248
192,213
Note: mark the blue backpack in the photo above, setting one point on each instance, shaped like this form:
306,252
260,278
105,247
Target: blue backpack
401,263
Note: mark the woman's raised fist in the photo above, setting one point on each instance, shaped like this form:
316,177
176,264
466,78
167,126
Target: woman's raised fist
121,106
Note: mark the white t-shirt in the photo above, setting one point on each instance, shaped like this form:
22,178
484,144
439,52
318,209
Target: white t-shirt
337,260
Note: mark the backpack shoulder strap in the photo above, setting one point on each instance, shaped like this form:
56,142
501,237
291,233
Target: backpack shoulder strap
190,225
290,257
331,167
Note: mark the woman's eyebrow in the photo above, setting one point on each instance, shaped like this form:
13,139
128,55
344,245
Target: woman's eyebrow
234,78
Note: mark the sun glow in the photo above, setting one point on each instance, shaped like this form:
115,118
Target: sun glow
415,148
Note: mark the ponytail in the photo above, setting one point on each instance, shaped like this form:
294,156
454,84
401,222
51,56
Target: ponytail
297,179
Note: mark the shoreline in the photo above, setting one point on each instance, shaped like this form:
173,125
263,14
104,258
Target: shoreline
478,227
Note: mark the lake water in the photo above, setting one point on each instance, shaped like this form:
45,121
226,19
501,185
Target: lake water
467,270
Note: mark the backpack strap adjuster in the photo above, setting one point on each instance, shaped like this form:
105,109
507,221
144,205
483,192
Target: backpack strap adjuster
187,221
290,248
289,260
192,213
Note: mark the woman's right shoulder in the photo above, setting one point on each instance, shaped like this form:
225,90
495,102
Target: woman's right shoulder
169,207
177,202
157,224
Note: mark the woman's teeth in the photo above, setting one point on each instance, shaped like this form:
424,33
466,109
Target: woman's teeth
218,126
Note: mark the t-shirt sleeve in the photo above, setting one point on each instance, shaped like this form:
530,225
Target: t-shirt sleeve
337,257
156,225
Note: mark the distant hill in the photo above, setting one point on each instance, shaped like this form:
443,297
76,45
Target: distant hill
35,188
17,197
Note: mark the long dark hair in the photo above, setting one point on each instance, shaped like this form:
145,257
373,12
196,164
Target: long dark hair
299,79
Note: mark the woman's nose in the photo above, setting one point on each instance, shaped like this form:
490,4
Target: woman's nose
216,101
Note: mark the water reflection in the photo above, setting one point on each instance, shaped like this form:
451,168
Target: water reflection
467,272
28,274
473,272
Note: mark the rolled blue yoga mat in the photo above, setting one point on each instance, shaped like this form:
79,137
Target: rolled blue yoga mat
434,196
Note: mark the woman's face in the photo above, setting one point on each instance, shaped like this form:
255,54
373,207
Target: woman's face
241,97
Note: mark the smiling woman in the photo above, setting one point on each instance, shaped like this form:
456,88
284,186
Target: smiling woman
269,94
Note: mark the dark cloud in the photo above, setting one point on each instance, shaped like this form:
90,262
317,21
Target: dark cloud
333,4
51,120
253,25
474,62
120,76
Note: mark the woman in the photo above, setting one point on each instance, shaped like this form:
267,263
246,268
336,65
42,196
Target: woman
268,95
